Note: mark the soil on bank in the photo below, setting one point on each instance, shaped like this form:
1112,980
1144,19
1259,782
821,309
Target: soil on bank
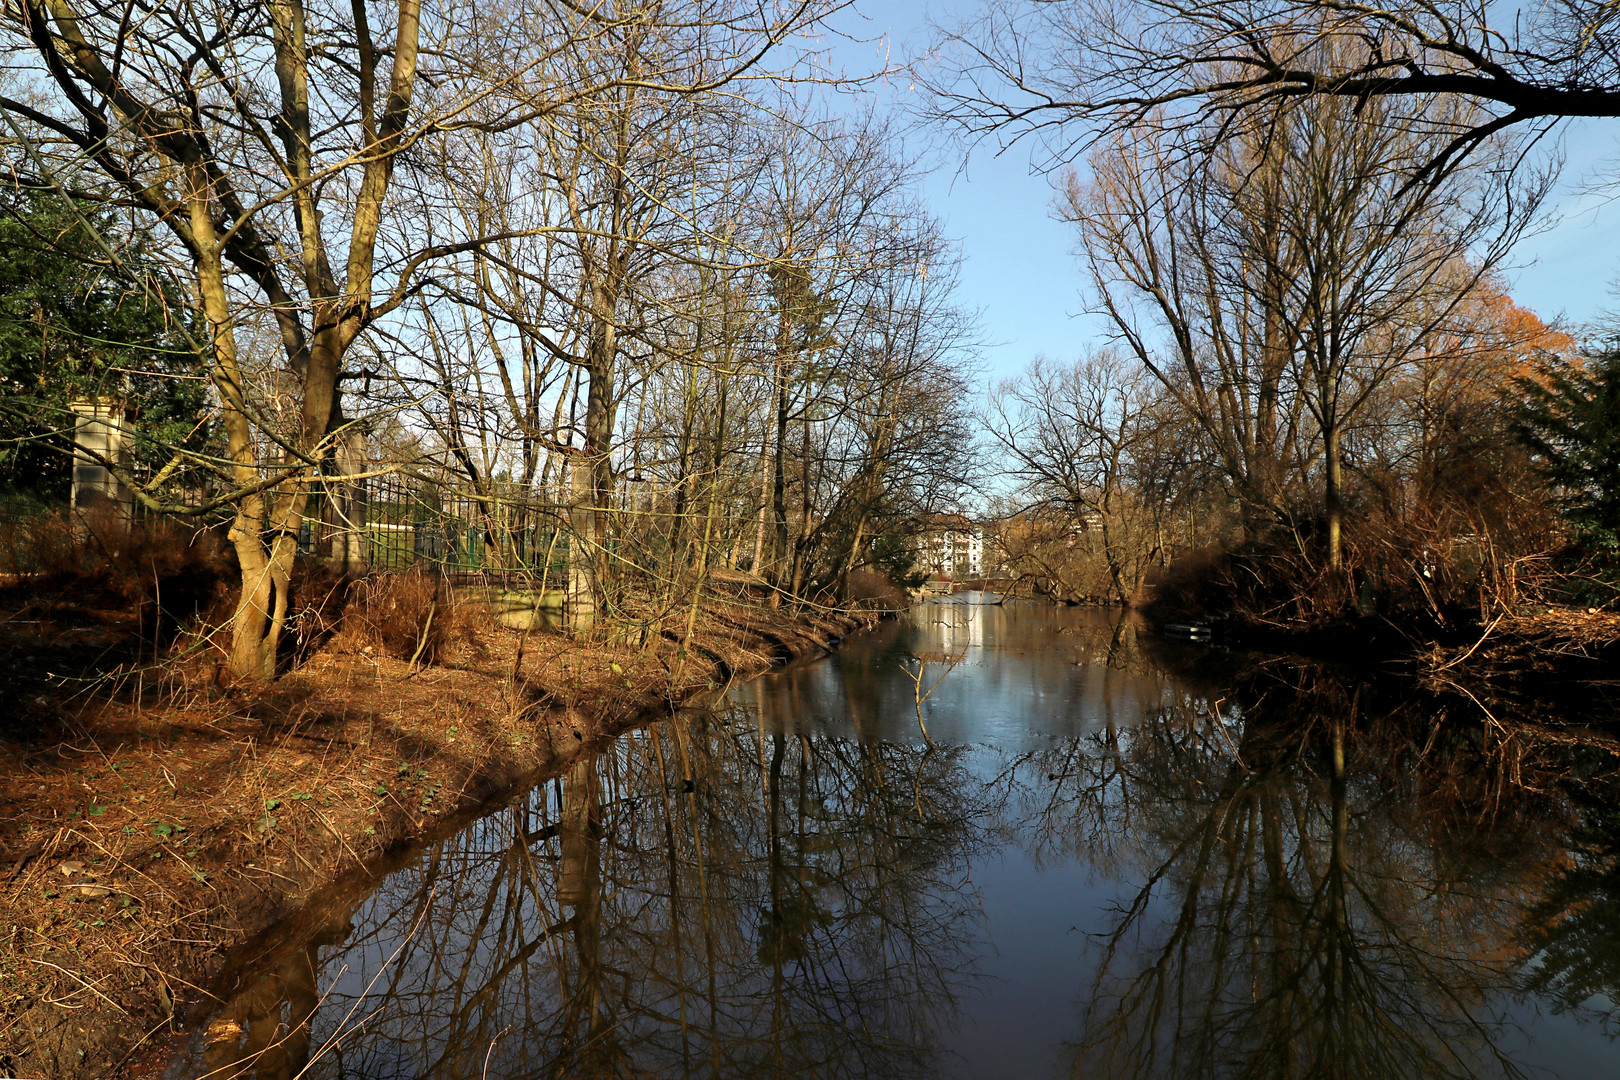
139,843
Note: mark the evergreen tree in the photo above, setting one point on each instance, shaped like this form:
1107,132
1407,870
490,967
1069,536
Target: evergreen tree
1570,418
74,323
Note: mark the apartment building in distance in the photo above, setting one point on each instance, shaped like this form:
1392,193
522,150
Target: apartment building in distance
949,546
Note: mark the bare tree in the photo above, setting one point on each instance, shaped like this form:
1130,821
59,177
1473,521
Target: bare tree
1073,432
268,162
1188,259
1060,68
1384,265
1294,268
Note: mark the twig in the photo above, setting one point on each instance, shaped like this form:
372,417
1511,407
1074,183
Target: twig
88,986
427,626
490,1053
1220,726
1471,648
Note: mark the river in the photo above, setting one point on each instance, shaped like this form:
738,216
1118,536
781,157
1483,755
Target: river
1088,867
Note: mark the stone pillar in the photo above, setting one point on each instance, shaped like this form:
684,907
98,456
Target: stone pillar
346,501
104,430
581,600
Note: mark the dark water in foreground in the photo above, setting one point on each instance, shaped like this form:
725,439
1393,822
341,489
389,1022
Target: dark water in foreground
1098,871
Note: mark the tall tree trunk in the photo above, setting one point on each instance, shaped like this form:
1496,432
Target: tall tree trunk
801,549
847,566
581,593
779,484
1115,561
596,465
252,656
764,505
1334,496
349,501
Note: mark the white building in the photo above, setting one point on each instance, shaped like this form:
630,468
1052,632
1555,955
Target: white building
950,545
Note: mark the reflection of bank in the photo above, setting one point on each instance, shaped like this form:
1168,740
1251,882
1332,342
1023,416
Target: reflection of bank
1296,910
740,892
695,900
588,1042
264,1032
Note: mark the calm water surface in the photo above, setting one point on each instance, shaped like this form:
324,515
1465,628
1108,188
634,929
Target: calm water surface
1097,870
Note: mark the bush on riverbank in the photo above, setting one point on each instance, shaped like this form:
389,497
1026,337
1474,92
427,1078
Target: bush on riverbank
870,590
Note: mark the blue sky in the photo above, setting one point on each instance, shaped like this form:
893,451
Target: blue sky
1021,274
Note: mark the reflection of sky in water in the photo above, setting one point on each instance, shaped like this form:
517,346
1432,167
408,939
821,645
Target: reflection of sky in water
1026,675
828,897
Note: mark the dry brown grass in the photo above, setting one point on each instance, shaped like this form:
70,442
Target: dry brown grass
1583,641
159,572
409,616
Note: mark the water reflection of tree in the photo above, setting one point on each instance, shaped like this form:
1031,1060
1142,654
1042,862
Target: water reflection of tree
1319,882
1312,902
702,897
1574,929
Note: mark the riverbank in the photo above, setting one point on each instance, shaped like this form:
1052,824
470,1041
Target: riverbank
1564,657
140,843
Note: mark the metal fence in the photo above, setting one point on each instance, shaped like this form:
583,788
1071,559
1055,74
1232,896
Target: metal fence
398,522
395,521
